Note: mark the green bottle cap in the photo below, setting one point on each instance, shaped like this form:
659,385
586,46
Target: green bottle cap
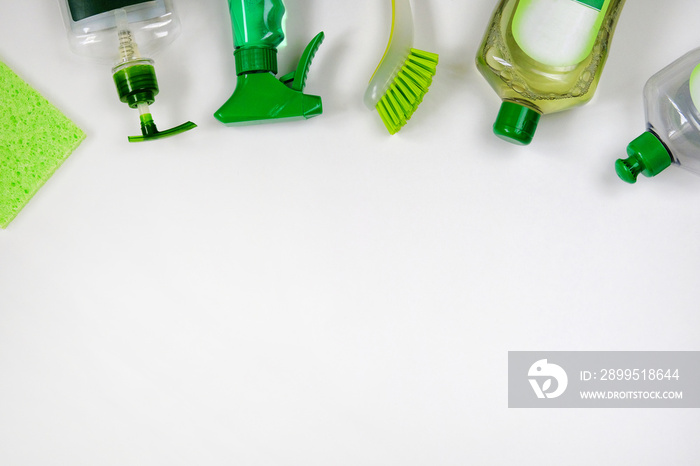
255,59
136,82
647,155
516,123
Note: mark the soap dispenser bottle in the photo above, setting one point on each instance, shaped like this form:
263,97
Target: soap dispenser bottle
118,32
544,56
672,103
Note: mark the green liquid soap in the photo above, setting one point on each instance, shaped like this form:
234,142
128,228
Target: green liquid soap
544,56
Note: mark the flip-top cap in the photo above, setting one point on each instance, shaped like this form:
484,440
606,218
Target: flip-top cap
516,123
647,155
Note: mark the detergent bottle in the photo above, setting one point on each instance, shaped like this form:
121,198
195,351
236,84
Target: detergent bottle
119,32
672,103
544,56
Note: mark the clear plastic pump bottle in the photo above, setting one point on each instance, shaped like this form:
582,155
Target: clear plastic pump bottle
672,103
119,32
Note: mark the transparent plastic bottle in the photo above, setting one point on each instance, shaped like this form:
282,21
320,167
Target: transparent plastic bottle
672,103
118,32
92,26
544,56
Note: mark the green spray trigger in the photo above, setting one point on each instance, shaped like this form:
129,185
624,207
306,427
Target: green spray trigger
259,96
297,79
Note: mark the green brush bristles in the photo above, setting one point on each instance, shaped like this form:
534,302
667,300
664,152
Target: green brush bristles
407,91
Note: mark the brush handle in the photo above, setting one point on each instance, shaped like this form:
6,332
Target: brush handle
257,23
397,50
402,26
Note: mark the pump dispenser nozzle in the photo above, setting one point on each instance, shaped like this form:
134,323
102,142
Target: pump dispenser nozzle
137,86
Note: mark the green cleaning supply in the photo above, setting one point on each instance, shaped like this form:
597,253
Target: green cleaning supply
403,75
672,103
260,96
35,139
544,56
115,31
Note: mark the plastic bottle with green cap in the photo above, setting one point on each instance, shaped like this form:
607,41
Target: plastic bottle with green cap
544,56
118,32
258,30
672,103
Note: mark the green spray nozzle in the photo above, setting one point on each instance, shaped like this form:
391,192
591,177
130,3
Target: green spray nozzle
259,95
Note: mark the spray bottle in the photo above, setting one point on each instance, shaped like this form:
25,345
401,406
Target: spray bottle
544,56
260,96
672,103
115,31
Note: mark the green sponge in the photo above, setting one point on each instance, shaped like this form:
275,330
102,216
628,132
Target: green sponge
35,139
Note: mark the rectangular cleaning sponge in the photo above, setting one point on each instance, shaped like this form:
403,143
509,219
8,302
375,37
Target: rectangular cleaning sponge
35,139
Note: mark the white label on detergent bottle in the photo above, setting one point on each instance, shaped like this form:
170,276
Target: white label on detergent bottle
695,87
558,33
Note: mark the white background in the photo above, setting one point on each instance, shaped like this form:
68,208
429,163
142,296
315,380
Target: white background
320,293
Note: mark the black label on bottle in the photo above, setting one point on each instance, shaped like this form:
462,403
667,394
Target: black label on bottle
81,9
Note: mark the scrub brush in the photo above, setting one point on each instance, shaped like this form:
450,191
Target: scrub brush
404,74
